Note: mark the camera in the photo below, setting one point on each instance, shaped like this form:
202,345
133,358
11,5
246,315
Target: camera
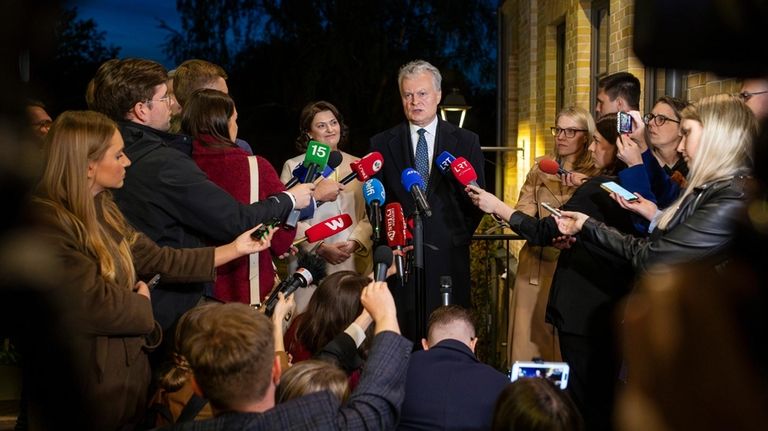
555,372
623,123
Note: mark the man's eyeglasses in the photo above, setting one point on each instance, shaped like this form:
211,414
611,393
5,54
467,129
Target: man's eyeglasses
43,124
166,99
569,132
746,95
657,120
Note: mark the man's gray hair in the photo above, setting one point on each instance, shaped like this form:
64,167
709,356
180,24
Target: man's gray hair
416,67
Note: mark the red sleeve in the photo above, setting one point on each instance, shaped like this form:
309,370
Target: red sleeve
269,184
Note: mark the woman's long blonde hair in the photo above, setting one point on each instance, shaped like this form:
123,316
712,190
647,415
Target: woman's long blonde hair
728,128
75,139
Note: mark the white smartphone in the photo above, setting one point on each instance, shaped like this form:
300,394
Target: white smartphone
556,372
551,209
611,186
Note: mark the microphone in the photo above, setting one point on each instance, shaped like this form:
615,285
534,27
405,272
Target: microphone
326,228
334,160
300,278
373,192
412,181
364,168
394,222
464,172
300,171
315,159
443,162
549,166
445,289
382,258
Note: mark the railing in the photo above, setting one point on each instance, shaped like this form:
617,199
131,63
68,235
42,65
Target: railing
493,272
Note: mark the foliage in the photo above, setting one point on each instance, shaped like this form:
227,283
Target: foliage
78,51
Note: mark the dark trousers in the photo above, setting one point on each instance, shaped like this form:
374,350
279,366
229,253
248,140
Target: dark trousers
594,370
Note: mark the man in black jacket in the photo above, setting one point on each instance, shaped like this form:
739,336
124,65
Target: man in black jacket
166,195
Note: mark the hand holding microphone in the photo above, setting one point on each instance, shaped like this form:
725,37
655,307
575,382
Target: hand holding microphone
300,278
394,221
315,160
568,178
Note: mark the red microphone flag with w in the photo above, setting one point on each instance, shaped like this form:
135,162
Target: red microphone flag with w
328,227
395,224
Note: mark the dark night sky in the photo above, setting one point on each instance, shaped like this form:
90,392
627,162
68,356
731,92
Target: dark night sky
133,25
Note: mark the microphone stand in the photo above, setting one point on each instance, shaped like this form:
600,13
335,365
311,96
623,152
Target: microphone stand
419,275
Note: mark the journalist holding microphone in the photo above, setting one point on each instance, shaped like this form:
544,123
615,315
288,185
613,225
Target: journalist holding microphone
415,144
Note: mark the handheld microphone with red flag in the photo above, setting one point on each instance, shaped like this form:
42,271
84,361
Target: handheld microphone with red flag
549,166
364,168
464,172
300,278
326,228
394,224
382,258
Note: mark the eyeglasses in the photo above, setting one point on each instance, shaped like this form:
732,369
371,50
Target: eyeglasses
569,132
746,95
166,99
657,120
43,124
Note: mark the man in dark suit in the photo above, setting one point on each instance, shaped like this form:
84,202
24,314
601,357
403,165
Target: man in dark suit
231,354
446,386
447,233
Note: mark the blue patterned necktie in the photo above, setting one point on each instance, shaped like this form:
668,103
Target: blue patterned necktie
422,157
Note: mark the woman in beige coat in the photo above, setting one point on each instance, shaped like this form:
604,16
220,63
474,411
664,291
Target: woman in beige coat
103,260
529,336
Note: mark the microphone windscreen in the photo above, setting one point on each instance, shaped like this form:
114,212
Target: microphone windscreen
299,172
410,177
373,191
443,162
328,227
382,255
317,154
394,220
463,171
334,160
368,166
313,263
549,166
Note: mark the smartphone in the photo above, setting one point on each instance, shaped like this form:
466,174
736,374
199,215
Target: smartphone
623,122
153,282
551,209
555,372
261,232
611,186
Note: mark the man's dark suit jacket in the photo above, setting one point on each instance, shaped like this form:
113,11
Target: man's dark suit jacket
447,234
374,405
447,388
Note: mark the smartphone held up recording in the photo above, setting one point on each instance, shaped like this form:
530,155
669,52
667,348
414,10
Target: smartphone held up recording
612,187
555,372
623,123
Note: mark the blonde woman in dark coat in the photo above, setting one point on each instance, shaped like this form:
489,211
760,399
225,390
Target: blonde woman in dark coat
104,261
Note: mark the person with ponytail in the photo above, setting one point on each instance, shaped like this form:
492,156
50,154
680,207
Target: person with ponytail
105,261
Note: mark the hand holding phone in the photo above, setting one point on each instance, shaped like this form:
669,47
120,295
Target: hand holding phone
261,232
551,209
612,187
623,122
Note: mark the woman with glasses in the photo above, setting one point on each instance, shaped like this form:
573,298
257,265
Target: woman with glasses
587,282
102,261
529,335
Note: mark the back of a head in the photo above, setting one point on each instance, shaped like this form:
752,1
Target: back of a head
535,404
622,84
193,75
208,112
333,306
450,322
606,127
231,352
119,84
307,377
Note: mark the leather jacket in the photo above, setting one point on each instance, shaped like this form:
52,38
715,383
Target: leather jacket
702,229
